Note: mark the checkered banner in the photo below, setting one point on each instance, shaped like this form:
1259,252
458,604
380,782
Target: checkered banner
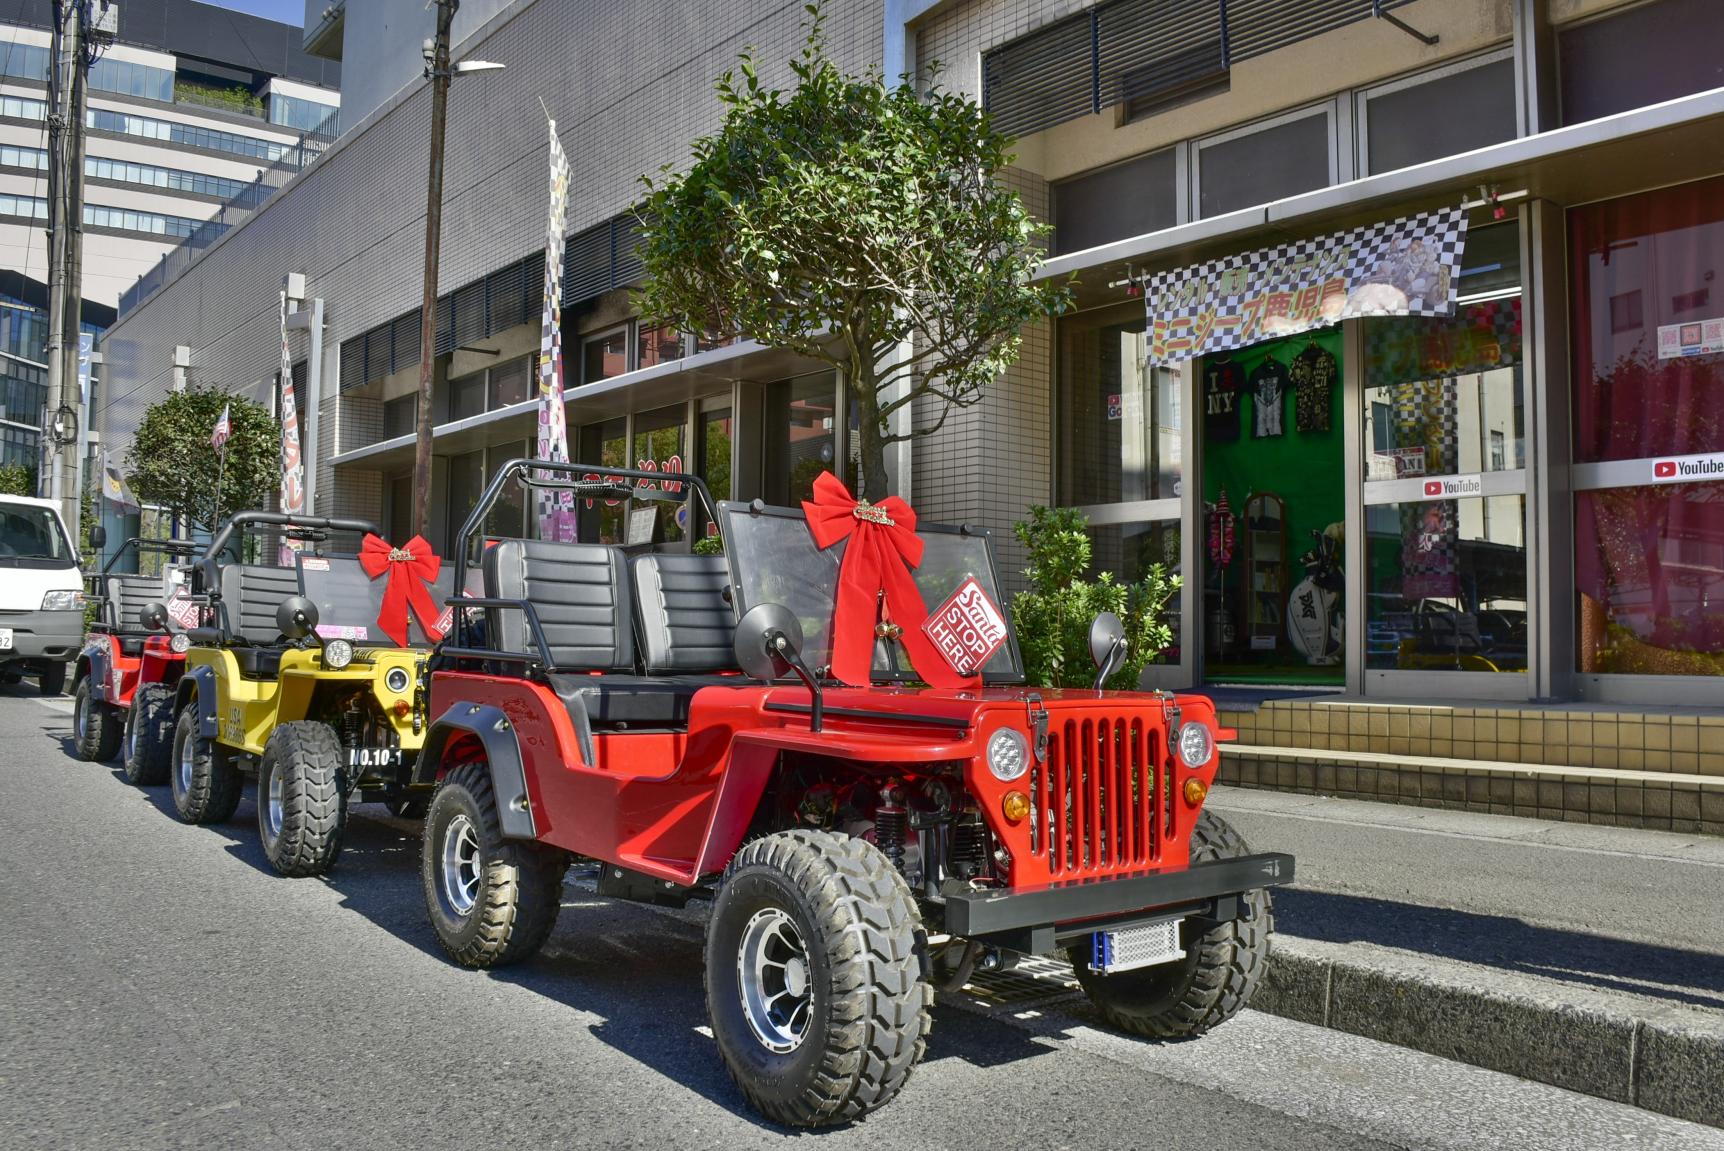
1405,267
556,508
292,462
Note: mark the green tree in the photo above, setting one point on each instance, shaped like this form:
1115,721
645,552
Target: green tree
844,220
172,465
1052,619
17,480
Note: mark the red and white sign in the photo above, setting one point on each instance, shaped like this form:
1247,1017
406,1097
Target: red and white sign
967,629
1454,487
1694,338
1687,469
182,610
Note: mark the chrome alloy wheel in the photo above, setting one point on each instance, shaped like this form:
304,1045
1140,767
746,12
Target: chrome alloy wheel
274,809
130,753
773,972
81,717
188,761
461,864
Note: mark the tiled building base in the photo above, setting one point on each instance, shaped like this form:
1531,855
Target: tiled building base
1491,740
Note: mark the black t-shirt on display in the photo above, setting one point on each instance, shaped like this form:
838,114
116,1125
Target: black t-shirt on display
1313,374
1223,380
1268,387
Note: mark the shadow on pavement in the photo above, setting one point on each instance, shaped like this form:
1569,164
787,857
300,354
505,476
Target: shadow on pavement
1632,966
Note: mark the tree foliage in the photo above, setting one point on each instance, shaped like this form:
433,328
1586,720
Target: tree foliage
1052,619
848,220
17,480
171,463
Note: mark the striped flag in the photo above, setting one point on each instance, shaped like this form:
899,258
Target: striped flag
556,509
223,429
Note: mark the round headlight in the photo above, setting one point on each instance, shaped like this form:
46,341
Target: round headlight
395,679
1196,745
1008,754
180,642
337,654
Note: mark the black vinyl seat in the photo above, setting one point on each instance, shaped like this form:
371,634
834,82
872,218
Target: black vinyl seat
126,596
250,593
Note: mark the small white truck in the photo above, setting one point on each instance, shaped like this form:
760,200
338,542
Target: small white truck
41,593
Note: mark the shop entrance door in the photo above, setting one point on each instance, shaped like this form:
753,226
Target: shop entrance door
1274,505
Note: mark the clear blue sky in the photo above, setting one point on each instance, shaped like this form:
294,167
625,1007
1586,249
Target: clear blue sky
287,11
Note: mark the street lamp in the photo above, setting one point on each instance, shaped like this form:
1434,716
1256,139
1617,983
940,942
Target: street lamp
439,72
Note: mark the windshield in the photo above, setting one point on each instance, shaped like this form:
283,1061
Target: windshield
773,559
32,536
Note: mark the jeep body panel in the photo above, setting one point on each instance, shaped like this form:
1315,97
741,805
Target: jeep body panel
115,676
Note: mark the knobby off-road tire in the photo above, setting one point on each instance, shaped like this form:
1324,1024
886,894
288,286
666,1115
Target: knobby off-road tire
814,980
206,782
149,742
95,726
53,679
301,804
1218,976
492,901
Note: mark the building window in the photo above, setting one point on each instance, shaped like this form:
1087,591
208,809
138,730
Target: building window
466,484
400,415
1641,55
1123,200
507,518
126,78
661,445
35,159
466,396
605,355
126,220
304,115
801,436
657,346
19,108
24,61
1435,114
24,207
1282,157
149,175
607,444
717,430
189,135
1118,418
512,383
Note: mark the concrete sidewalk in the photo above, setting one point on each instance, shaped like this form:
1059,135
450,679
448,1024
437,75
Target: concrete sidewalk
1587,957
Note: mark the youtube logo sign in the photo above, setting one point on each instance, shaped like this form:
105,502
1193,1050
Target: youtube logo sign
1433,487
1664,469
1687,468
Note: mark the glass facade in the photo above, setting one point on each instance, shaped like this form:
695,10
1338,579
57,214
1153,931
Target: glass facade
302,115
801,436
24,61
605,355
125,78
188,135
1119,421
151,176
661,445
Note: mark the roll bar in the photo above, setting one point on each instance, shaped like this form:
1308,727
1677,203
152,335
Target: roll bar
184,548
245,521
580,483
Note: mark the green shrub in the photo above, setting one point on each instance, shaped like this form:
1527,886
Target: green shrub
1053,617
17,480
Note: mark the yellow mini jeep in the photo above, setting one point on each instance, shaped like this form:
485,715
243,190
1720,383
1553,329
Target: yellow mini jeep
291,676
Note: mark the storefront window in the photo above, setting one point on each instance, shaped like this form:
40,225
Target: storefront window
508,516
657,346
1118,419
602,521
716,430
466,484
1129,551
1443,397
802,436
1446,586
1648,331
604,355
1649,568
513,382
466,396
660,446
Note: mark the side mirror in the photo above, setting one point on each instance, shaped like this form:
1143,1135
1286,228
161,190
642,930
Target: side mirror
98,537
296,618
769,644
154,616
1106,646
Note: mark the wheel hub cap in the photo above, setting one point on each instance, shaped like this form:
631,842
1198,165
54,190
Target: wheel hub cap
188,757
461,863
274,809
81,718
772,970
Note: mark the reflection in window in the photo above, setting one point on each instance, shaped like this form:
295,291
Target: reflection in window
604,355
802,437
507,517
657,346
659,447
716,431
1649,567
601,521
1447,585
1129,551
1444,396
466,485
1119,420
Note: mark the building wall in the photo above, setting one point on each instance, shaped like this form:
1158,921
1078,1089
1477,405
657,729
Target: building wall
629,93
384,39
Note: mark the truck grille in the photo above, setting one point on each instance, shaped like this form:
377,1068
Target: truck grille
1100,802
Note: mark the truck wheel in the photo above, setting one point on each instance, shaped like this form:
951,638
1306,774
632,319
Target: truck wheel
95,727
1218,976
493,901
206,782
53,679
301,806
149,743
814,983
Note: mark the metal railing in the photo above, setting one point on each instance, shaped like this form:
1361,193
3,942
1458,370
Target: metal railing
234,212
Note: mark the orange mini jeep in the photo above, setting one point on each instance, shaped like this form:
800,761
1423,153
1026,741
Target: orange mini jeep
675,719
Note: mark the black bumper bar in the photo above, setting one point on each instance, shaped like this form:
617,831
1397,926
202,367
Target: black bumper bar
994,913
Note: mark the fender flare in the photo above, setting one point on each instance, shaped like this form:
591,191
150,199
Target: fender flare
201,682
496,735
92,664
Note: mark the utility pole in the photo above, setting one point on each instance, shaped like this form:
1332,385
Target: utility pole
437,70
64,53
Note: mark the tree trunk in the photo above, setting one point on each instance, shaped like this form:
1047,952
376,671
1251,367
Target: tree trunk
871,483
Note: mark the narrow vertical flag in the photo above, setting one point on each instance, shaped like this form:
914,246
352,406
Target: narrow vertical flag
292,463
223,430
556,508
114,487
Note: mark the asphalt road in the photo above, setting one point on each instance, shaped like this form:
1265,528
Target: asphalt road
161,987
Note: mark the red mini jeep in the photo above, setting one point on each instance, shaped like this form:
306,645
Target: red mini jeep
673,717
130,664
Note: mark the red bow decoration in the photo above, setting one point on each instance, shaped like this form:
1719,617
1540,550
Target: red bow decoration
883,548
411,569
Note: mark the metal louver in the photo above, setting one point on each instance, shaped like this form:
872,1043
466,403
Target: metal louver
406,336
1042,79
1153,48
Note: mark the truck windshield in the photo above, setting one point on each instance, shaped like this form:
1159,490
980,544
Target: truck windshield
773,559
31,536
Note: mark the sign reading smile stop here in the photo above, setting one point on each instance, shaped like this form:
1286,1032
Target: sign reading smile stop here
967,629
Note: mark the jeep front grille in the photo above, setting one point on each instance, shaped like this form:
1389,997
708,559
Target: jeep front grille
1099,803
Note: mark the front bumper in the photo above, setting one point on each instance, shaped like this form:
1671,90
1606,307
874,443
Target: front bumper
44,635
1037,921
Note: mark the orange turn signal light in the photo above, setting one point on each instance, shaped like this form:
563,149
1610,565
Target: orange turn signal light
402,707
1015,806
1195,791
